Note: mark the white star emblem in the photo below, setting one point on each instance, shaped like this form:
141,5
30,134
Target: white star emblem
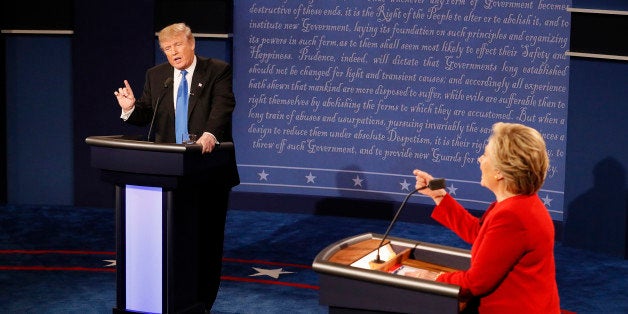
263,175
405,185
310,178
357,181
270,272
451,189
112,262
547,201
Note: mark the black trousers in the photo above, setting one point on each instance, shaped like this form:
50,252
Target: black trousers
211,231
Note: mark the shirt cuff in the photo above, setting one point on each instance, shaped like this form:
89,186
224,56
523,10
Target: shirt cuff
125,115
212,135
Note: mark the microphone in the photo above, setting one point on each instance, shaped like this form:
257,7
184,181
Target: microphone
434,184
152,121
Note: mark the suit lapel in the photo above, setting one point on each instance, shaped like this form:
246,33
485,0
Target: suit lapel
196,88
166,105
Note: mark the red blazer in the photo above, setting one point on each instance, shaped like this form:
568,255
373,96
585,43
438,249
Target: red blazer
512,255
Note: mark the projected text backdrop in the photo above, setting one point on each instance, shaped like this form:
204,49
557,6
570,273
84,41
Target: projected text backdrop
345,98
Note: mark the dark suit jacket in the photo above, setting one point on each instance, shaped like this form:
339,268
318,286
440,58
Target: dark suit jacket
210,106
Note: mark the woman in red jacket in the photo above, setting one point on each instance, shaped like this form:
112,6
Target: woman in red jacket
512,266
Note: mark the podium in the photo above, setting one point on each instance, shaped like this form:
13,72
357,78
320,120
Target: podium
158,196
351,283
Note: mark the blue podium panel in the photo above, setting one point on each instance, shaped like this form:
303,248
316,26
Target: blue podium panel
144,243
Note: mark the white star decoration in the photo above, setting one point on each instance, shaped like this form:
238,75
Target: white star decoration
547,201
270,272
263,175
451,189
310,178
357,181
112,262
405,185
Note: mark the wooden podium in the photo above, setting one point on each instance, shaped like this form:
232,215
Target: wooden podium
158,191
350,282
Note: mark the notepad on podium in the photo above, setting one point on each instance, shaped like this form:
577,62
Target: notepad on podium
366,254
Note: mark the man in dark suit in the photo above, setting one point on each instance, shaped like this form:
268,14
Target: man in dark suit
210,104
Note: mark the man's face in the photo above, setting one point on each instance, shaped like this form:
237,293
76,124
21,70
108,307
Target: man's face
179,51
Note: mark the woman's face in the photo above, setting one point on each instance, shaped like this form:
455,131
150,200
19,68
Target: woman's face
489,172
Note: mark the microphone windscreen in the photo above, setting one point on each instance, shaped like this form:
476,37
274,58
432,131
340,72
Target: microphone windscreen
167,82
436,184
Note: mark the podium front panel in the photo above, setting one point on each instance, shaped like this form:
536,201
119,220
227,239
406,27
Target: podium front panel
143,251
348,293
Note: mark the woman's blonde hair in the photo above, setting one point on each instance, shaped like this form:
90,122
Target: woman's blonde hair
519,153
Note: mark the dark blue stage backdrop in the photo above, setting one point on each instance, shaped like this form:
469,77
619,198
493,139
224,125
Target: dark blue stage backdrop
346,98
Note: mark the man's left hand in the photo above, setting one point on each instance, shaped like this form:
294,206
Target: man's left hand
208,142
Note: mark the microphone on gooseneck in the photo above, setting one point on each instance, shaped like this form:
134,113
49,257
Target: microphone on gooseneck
152,121
434,184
